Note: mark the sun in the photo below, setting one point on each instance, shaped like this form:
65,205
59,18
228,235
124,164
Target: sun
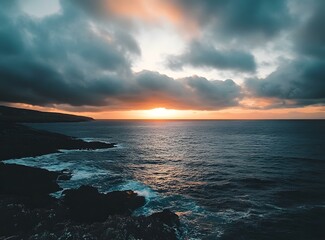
160,113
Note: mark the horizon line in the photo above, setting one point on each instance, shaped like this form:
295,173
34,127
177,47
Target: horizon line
217,119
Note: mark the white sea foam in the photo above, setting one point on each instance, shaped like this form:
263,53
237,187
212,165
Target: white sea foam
119,146
104,140
52,162
49,162
138,187
87,172
85,150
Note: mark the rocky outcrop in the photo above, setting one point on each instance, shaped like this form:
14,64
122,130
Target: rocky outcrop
86,204
10,114
167,217
24,217
20,222
64,175
23,180
28,212
18,141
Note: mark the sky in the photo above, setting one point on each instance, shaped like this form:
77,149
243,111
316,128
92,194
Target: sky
182,59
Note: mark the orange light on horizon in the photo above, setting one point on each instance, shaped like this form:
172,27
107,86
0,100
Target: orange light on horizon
160,113
310,112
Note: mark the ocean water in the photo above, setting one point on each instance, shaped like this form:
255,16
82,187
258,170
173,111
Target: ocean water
225,179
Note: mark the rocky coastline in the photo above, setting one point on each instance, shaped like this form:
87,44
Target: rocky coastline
19,141
29,211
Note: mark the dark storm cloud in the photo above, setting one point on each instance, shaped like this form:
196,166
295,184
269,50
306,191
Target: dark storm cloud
40,84
10,37
149,88
239,18
206,56
215,94
310,36
60,58
83,56
235,27
72,58
301,80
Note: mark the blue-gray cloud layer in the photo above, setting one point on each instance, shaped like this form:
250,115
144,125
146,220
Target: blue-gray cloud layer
248,24
74,58
239,18
235,27
206,56
81,57
59,59
301,80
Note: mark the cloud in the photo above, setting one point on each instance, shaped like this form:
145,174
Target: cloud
130,14
186,93
56,57
62,58
230,19
309,39
234,35
238,19
10,37
214,94
83,55
206,56
73,58
301,81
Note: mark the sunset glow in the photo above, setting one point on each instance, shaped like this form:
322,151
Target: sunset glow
150,59
162,119
160,113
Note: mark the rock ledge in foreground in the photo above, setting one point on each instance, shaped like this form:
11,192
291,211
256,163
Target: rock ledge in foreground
86,204
19,141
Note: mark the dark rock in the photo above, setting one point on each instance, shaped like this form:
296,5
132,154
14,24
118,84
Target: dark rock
23,180
18,141
22,221
128,227
64,175
10,114
86,204
18,219
159,226
32,201
12,238
167,217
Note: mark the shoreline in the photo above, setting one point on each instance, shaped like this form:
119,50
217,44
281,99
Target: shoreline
19,141
29,212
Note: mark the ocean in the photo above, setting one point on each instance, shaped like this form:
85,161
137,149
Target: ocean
225,179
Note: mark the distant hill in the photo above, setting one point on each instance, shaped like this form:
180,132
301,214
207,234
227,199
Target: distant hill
10,114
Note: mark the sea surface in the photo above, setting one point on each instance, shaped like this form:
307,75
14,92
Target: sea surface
225,179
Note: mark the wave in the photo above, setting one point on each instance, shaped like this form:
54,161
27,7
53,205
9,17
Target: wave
48,161
138,187
85,150
195,219
88,139
103,140
87,173
82,173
